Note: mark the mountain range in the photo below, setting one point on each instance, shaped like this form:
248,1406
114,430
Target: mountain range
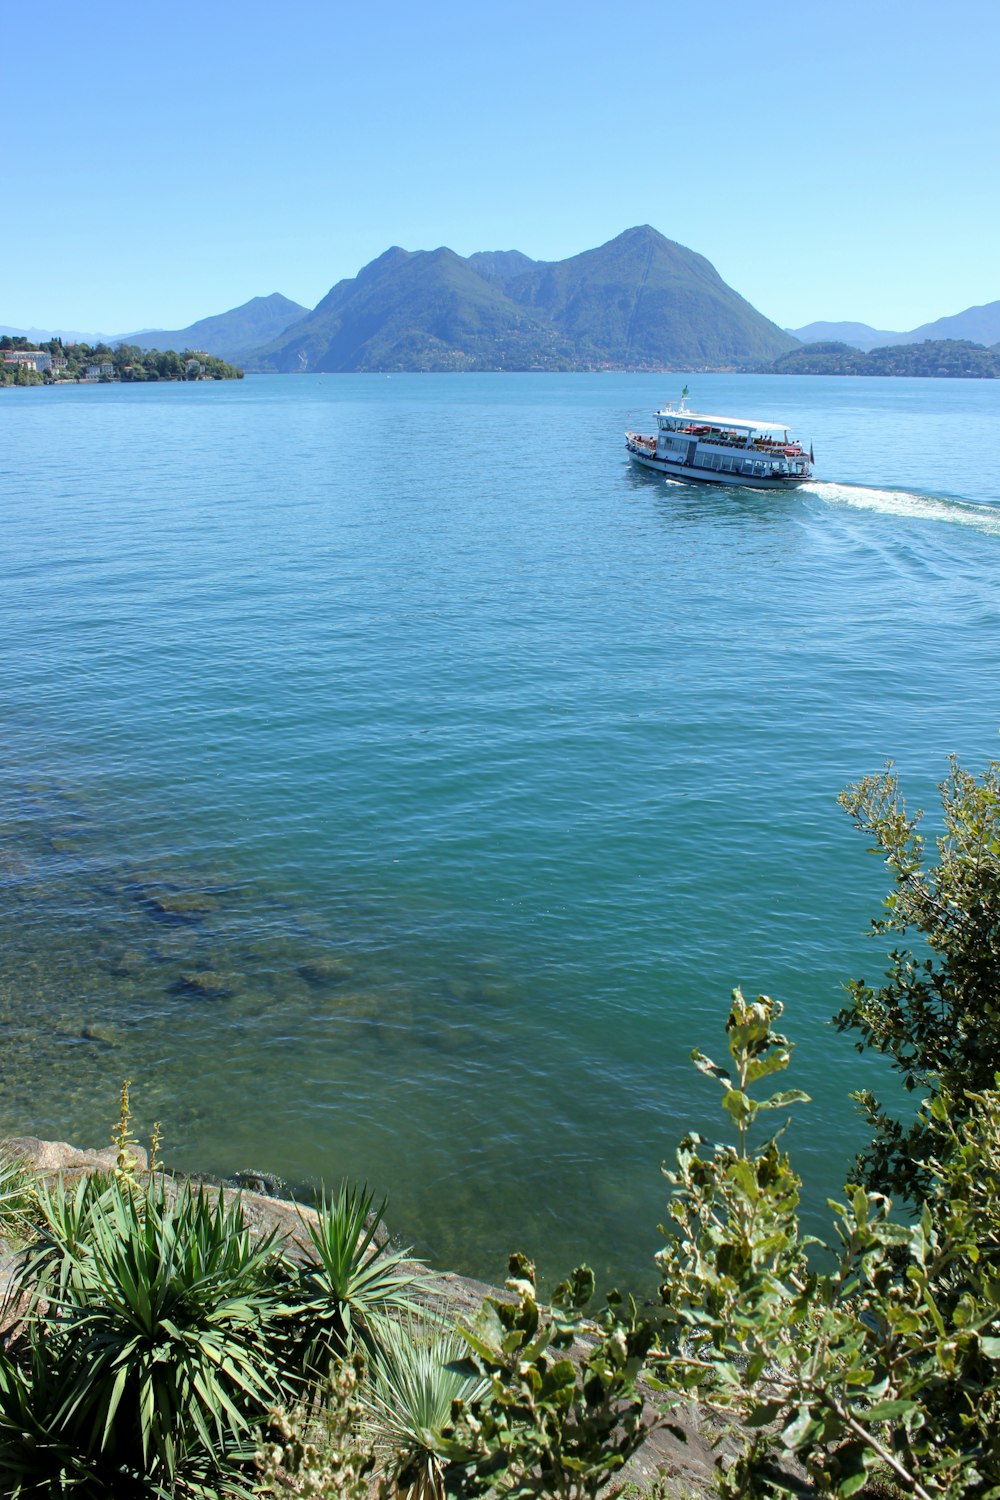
980,324
639,302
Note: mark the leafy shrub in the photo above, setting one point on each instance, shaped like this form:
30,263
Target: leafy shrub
891,1359
936,1018
303,1454
549,1424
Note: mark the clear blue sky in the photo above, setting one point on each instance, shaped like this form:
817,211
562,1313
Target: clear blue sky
164,161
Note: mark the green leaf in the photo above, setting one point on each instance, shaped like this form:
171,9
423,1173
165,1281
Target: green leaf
762,1067
739,1107
785,1098
890,1411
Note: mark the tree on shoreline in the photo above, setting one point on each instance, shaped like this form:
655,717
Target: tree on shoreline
936,1017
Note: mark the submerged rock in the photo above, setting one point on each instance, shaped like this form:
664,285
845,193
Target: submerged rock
209,984
108,1036
324,971
128,963
181,906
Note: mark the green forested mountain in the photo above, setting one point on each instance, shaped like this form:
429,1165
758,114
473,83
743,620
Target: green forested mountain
643,300
230,335
639,301
415,310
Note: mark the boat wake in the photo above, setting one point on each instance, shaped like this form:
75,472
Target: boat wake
908,503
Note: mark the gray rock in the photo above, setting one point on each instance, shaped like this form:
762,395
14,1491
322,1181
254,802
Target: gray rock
53,1157
259,1182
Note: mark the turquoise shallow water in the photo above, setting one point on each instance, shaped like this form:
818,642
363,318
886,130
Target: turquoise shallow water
394,783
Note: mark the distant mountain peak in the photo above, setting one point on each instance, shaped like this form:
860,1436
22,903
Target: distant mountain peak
640,237
640,232
387,258
231,335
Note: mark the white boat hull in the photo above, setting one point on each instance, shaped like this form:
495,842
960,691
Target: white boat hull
683,473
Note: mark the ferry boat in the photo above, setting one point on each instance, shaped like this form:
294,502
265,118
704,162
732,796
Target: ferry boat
692,446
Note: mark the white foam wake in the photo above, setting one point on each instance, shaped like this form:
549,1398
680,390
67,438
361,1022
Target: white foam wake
908,503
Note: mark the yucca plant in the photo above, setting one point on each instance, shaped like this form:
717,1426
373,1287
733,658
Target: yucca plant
412,1386
161,1324
18,1196
39,1450
347,1288
65,1232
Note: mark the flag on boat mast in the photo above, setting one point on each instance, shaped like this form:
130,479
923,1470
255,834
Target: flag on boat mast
684,393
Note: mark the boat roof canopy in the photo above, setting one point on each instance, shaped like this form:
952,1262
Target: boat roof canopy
738,422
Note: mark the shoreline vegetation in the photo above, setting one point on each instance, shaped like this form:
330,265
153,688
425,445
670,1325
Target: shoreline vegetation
957,359
56,363
162,1338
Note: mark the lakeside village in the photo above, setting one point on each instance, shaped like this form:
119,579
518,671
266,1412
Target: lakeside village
54,362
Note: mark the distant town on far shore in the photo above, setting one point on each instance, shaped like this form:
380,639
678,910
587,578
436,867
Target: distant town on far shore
53,361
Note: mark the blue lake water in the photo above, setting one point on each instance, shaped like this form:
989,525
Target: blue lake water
395,783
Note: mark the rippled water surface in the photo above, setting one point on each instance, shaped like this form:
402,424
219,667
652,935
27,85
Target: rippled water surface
394,783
